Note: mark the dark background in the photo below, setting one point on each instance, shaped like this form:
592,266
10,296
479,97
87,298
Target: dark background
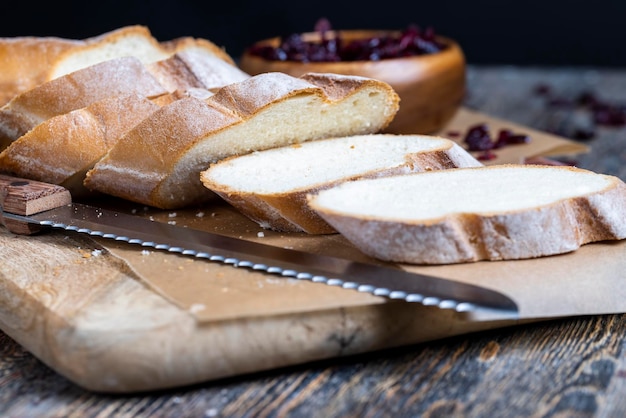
529,33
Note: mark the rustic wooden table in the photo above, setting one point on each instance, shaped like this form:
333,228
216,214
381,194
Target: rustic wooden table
574,367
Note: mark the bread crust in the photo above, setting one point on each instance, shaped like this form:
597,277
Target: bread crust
135,168
107,46
288,211
556,228
61,149
30,92
194,68
159,162
74,91
25,61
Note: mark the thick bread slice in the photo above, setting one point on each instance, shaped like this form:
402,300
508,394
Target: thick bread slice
270,187
188,43
25,60
500,212
194,68
61,149
158,163
136,41
75,91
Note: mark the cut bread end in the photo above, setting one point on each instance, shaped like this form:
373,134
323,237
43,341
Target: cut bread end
500,212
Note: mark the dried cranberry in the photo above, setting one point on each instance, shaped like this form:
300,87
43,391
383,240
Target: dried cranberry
486,156
609,115
478,138
410,42
507,137
600,113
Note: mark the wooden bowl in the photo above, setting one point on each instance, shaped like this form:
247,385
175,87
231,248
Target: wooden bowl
431,87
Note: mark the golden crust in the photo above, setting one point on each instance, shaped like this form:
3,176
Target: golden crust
69,144
159,162
75,91
29,61
141,159
25,61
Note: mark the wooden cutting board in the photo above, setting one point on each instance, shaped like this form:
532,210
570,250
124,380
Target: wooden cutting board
115,318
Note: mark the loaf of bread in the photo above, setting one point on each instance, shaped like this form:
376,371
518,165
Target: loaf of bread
270,187
158,163
186,69
60,150
29,61
500,212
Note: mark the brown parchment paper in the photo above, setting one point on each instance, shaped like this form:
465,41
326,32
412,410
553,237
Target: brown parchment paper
585,282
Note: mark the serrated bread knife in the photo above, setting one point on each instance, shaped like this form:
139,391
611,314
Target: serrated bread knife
28,207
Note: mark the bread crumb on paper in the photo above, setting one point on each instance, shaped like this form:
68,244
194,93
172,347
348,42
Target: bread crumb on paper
197,307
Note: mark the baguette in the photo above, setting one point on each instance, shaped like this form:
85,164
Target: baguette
29,61
270,187
158,163
500,212
62,149
75,91
187,69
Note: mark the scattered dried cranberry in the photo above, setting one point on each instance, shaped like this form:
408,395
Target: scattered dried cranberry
486,156
507,137
478,138
601,113
609,115
332,47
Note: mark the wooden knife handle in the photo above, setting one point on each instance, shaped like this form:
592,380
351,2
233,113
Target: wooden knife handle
26,197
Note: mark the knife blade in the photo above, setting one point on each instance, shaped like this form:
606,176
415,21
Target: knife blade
30,207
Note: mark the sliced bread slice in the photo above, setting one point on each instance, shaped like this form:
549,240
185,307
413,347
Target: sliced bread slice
499,212
129,41
158,163
270,187
194,68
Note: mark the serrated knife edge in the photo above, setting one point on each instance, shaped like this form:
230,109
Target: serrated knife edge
389,282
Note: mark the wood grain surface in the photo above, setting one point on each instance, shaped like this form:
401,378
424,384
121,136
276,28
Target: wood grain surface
573,367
